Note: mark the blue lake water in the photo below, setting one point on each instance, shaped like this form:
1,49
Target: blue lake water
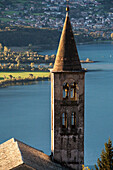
25,110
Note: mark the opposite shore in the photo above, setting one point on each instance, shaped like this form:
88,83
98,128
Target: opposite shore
51,47
22,78
21,81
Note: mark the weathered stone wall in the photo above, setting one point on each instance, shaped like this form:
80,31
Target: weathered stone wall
67,143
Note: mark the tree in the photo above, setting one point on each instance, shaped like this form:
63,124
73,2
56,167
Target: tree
85,168
1,47
18,61
51,65
106,162
32,65
112,35
5,49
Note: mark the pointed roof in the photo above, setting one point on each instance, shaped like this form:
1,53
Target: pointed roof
67,58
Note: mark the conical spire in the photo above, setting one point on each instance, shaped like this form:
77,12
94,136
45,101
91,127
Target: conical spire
67,58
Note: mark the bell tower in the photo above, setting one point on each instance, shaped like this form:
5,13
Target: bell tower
67,102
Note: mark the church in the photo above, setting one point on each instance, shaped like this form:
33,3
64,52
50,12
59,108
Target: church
67,116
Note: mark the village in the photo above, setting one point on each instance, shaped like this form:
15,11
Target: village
88,18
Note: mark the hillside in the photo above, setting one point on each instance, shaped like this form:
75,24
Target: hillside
106,5
91,20
25,36
43,38
14,3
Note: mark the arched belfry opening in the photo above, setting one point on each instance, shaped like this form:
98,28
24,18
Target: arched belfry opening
65,91
67,102
74,91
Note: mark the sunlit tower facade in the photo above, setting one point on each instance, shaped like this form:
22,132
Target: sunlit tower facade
67,102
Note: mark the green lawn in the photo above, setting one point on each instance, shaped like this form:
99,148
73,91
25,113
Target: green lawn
23,74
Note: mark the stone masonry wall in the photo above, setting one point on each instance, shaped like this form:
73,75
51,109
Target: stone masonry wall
68,143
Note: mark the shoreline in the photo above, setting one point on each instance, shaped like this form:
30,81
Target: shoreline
22,81
46,47
95,42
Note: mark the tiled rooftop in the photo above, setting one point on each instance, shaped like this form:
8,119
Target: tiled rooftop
17,155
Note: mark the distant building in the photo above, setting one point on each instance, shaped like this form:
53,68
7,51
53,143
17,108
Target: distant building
67,117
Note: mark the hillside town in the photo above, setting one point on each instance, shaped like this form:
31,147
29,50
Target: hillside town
88,17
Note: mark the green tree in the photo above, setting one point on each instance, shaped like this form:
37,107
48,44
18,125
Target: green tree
106,161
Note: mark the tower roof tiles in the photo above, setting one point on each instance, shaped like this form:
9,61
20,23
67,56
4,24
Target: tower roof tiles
67,58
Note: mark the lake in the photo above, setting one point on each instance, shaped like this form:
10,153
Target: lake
25,110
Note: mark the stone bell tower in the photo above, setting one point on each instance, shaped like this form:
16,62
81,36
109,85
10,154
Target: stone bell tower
67,102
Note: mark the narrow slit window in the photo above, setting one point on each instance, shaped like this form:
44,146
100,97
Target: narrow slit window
64,120
66,91
74,91
73,119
